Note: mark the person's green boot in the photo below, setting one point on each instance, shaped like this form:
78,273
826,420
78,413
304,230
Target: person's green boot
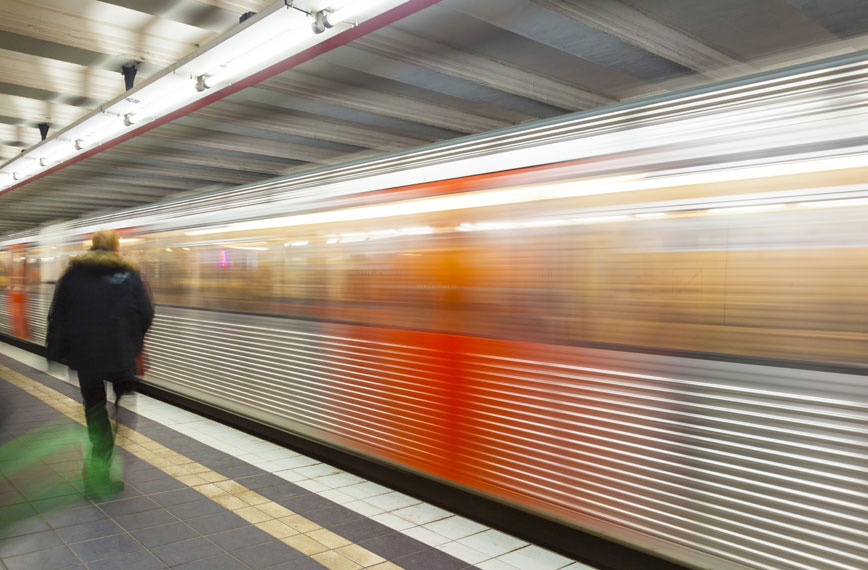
97,482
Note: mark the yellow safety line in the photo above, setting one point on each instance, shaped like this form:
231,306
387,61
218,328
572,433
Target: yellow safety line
324,546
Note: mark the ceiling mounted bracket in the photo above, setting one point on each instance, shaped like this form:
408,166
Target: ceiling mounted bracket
129,72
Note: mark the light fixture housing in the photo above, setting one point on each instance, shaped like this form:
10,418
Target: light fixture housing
260,43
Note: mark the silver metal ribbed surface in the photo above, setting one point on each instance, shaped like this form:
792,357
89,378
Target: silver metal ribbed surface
5,314
763,467
37,316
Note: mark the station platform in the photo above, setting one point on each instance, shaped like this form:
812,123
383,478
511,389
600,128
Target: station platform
201,495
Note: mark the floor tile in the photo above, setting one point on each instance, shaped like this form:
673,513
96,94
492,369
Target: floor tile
222,562
159,485
265,555
105,547
392,501
177,497
535,557
429,537
299,564
28,526
141,560
240,538
216,522
493,542
186,551
361,529
393,545
430,559
462,552
143,475
261,481
146,519
333,516
305,503
164,534
32,542
51,559
89,531
128,506
195,509
422,513
456,527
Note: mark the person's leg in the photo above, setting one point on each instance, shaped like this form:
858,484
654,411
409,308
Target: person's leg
98,426
98,482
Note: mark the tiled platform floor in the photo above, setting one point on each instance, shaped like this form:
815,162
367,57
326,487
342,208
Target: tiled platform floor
202,495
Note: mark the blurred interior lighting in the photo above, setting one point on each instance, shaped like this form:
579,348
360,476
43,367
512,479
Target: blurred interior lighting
601,219
834,203
378,234
416,230
247,247
549,191
543,223
353,237
296,243
748,209
332,240
651,215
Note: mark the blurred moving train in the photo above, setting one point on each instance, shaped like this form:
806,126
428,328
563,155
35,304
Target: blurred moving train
648,321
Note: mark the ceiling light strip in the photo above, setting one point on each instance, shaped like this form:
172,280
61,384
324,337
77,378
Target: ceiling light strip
148,106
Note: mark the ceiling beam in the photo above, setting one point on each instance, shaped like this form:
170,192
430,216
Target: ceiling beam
381,103
91,178
10,134
285,121
102,165
238,6
238,143
107,29
636,28
39,111
401,46
137,149
59,76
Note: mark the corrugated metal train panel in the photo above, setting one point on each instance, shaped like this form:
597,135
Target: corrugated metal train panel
747,463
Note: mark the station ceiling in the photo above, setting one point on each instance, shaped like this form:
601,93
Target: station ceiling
455,68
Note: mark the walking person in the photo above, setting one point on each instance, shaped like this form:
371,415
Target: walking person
97,324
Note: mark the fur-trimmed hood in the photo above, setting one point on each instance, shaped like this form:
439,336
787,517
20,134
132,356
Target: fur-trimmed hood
102,260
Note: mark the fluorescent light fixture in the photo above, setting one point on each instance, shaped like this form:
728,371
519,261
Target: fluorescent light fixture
278,32
296,32
348,11
23,167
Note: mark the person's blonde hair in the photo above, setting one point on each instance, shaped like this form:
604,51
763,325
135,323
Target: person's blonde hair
106,239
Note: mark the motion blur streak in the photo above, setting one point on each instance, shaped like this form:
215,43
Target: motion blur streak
649,321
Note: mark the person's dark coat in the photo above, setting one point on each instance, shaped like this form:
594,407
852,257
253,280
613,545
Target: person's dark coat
99,315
